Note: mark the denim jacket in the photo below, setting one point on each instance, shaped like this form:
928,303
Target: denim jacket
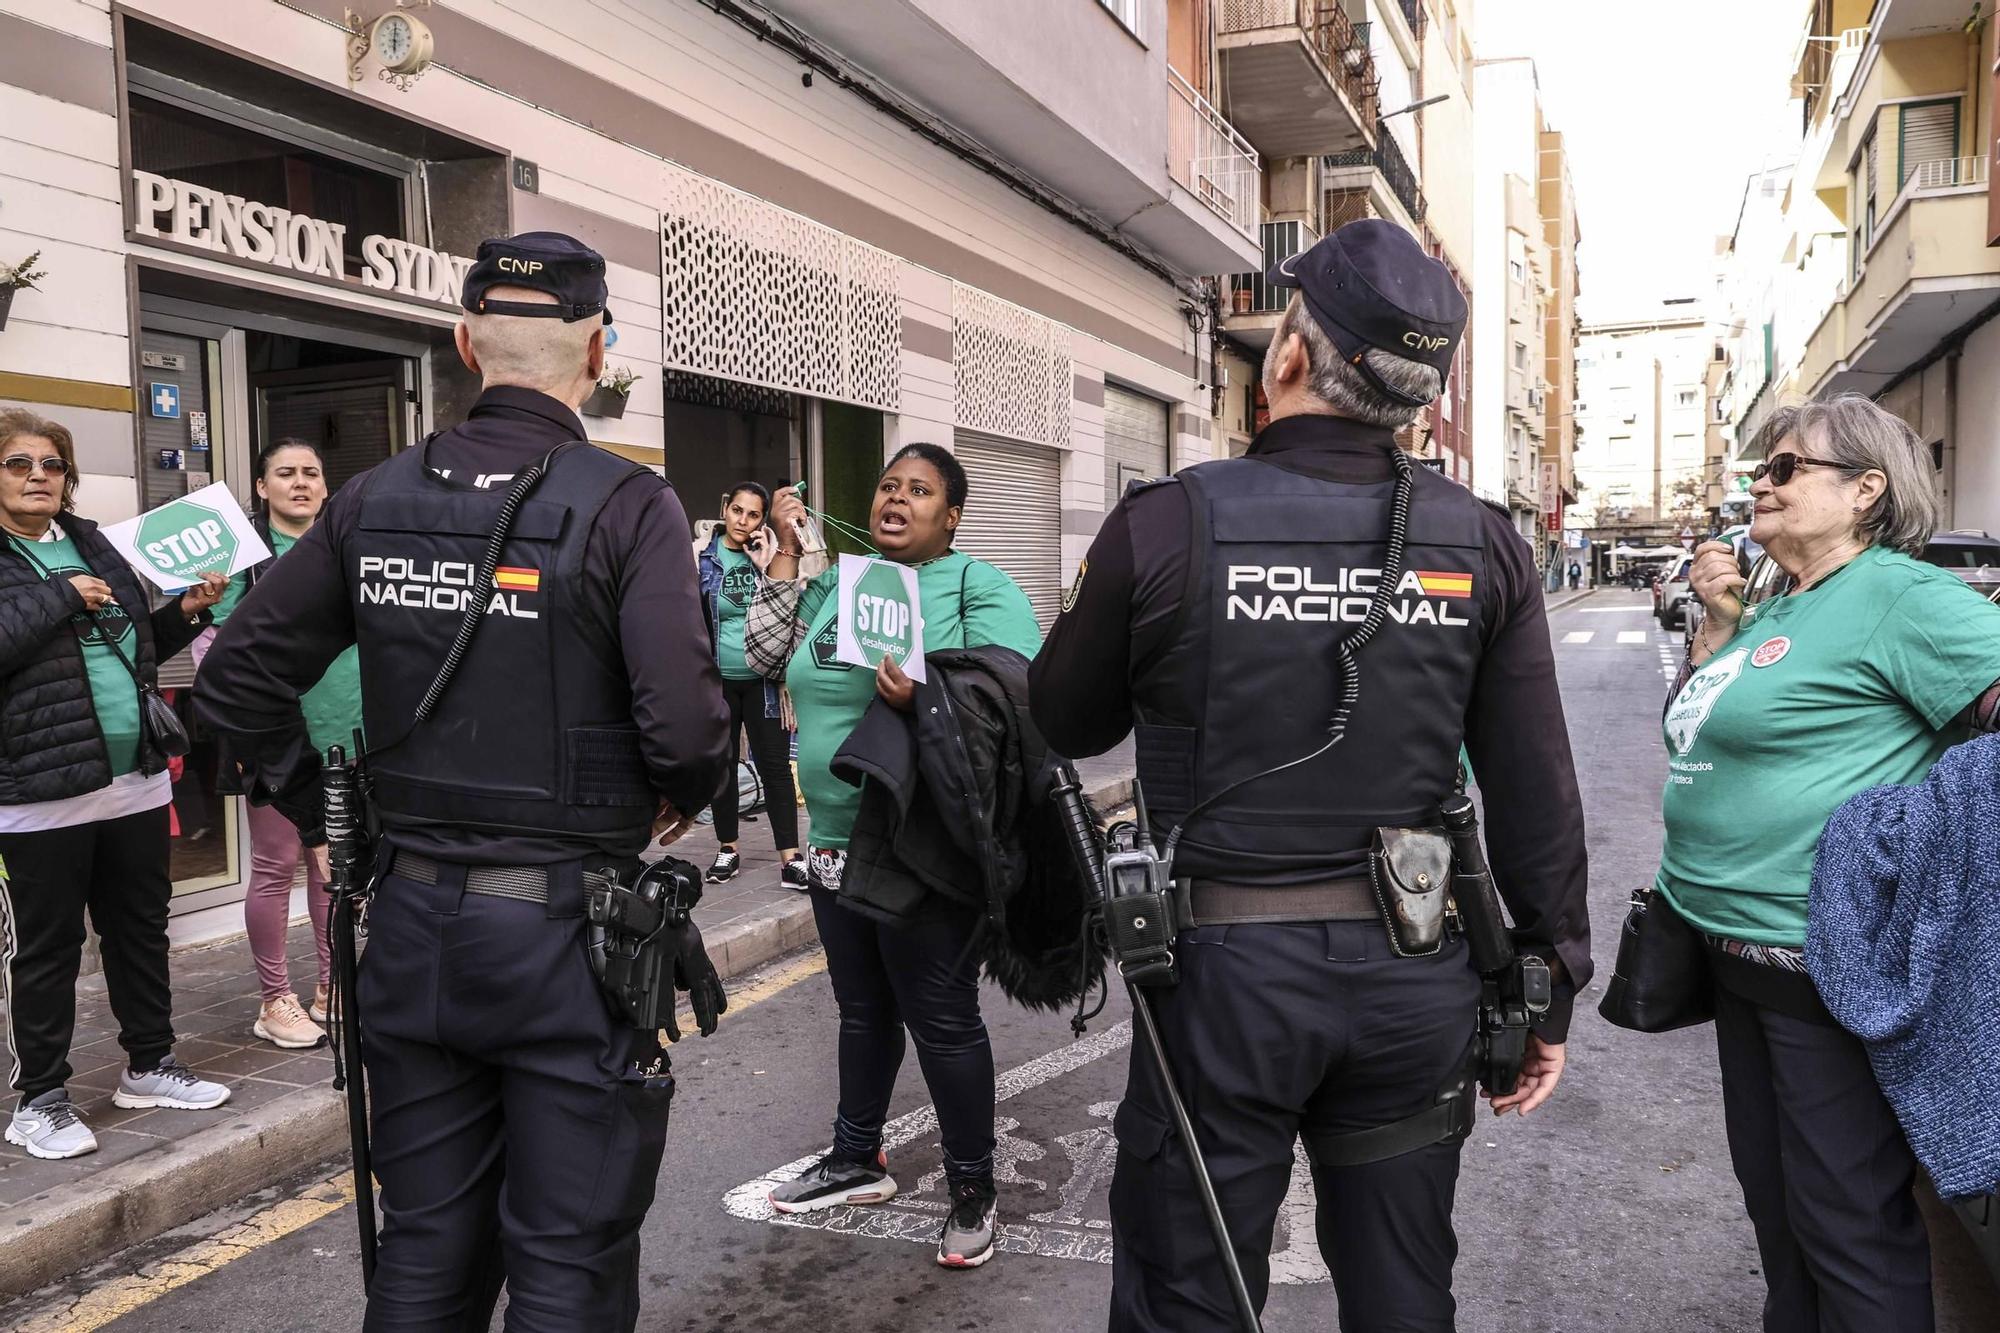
708,563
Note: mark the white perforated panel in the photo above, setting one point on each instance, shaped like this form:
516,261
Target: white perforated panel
1012,368
759,294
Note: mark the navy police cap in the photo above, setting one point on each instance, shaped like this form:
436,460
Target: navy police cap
543,261
1370,284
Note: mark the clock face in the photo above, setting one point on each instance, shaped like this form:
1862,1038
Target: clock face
393,40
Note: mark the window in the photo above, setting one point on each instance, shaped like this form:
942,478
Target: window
1870,164
1928,132
1520,356
1684,398
1519,274
1125,11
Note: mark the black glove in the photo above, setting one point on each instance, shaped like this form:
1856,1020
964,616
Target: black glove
694,974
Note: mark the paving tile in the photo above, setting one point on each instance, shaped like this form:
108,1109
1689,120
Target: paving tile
248,1060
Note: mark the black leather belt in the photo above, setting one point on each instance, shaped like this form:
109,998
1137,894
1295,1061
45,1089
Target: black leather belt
1208,902
526,884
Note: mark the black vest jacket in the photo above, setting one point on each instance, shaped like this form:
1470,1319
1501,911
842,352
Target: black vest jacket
535,735
1282,567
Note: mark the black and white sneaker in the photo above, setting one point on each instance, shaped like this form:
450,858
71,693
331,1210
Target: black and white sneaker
793,876
967,1240
725,866
834,1179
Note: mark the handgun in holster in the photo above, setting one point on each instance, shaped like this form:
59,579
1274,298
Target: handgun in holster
1515,988
633,919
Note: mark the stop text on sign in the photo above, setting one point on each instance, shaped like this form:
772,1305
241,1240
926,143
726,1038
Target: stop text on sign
887,616
187,546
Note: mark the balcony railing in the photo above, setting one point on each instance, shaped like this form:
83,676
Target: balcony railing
1282,240
1949,171
1208,156
1341,43
1414,15
1387,158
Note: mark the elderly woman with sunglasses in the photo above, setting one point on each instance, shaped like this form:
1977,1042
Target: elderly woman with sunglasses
1861,675
83,796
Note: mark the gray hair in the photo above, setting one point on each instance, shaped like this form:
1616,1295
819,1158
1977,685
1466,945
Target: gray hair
1345,389
1854,431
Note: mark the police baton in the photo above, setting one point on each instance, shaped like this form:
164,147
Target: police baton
347,883
1067,792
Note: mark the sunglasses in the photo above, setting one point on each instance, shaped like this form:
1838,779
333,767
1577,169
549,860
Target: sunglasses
1781,468
20,465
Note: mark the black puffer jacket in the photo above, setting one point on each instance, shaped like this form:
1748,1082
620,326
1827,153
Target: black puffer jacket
50,744
955,801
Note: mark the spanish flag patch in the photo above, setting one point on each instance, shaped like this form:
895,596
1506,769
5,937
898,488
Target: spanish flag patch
518,580
1437,583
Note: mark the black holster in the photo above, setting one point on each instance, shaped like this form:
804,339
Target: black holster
634,922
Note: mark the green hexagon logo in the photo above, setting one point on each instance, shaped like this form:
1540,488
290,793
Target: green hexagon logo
184,540
884,620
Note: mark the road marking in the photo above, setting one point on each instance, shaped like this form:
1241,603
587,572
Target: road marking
121,1296
1609,610
1580,636
117,1298
1059,1227
1632,636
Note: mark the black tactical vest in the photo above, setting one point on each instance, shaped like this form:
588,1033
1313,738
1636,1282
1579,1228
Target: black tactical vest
535,734
1281,567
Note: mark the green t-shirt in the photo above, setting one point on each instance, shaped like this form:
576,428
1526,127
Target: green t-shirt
831,696
113,695
333,706
1815,698
739,582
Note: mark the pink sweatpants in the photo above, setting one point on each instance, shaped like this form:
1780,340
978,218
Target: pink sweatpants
275,853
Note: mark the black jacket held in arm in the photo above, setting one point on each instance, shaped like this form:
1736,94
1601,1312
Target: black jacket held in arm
955,801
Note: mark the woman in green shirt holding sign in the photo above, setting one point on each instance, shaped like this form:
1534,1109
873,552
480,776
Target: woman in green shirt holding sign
291,490
924,975
1862,675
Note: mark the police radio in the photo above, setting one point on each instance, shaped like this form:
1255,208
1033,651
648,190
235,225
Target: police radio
1139,924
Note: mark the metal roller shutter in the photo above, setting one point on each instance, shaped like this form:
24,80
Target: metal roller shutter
1013,515
1135,441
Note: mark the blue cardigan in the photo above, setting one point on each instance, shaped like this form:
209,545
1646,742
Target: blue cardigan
1903,940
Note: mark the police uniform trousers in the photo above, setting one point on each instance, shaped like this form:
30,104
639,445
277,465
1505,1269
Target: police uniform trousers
1275,1029
517,1125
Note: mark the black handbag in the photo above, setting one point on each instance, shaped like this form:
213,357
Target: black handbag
1661,979
158,723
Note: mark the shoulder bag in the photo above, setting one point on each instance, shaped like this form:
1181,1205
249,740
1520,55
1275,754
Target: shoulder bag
1661,979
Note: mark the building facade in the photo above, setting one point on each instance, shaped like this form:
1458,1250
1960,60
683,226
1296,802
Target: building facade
1640,410
982,226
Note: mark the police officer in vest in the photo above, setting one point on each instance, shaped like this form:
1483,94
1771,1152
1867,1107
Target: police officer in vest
518,1120
1219,616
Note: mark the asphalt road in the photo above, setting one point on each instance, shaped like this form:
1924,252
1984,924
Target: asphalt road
1612,1208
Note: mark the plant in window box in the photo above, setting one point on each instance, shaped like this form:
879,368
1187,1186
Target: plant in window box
13,278
614,390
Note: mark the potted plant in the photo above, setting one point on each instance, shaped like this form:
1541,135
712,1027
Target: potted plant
1243,298
15,277
614,390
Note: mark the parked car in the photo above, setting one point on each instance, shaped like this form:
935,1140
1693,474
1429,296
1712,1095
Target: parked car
1670,599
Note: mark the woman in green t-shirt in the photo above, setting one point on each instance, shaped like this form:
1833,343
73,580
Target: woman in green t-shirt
291,491
923,975
1862,675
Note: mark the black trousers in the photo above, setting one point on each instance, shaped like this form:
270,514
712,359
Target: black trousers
1827,1176
116,869
1275,1028
922,976
517,1125
771,752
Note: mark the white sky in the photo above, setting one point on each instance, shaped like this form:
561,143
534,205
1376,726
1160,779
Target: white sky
1667,108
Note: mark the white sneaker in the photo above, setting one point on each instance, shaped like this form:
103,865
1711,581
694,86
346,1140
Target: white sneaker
173,1084
283,1023
49,1127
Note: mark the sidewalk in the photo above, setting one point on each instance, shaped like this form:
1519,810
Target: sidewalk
1562,597
155,1170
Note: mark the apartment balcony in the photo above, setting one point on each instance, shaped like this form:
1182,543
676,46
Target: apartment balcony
1218,184
1254,307
1300,77
1373,182
1926,274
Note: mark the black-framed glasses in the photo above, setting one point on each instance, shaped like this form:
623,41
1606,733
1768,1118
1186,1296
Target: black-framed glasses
20,465
1781,468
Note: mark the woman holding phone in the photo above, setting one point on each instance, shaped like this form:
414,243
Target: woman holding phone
728,581
923,975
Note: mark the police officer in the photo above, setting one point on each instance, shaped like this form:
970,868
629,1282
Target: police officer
517,1119
1208,619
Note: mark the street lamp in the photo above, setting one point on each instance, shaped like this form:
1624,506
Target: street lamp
1417,106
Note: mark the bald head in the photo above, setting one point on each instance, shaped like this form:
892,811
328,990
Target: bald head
547,355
